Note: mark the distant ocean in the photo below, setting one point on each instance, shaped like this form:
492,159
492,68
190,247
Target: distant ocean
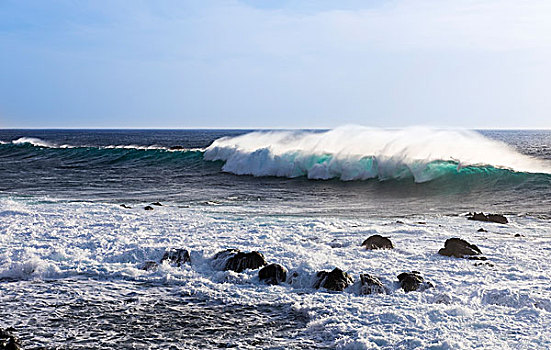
72,258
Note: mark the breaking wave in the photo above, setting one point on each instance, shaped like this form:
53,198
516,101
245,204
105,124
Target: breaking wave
361,153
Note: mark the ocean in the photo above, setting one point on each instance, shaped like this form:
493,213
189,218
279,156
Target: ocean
74,237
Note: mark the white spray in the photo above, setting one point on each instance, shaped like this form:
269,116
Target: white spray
359,153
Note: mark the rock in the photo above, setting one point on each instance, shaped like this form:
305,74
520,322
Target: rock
412,281
157,204
371,285
484,264
236,260
477,258
125,206
336,280
481,230
399,222
518,235
458,248
377,242
273,274
150,266
176,147
176,256
500,219
8,339
148,208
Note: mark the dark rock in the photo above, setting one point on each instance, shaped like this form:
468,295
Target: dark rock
412,281
176,147
481,230
336,280
377,242
484,264
399,222
176,256
236,260
518,235
458,248
477,258
421,222
370,285
500,219
157,204
125,206
8,339
273,274
148,208
150,266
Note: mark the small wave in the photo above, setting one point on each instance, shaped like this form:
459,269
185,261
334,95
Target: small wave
36,142
360,153
33,141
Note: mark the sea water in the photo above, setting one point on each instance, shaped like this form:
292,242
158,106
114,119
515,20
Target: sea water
71,257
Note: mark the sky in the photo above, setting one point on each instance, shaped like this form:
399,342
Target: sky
275,64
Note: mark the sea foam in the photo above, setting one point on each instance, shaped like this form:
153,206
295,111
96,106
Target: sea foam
360,153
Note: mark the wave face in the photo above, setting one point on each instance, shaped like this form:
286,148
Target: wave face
361,153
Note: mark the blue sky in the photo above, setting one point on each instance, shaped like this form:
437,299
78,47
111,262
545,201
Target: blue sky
275,64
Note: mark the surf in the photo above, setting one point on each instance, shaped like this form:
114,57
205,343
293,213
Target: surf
352,153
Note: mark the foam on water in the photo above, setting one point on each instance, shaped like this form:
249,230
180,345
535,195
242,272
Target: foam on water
359,153
505,305
33,141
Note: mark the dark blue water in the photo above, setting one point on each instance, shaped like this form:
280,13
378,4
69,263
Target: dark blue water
86,165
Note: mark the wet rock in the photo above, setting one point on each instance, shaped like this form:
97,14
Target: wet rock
481,230
176,256
459,248
370,285
336,280
377,242
518,235
176,147
484,264
412,281
148,207
157,204
273,274
125,206
8,339
150,266
498,218
238,261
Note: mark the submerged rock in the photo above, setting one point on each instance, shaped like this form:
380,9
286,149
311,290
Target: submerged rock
273,274
336,280
157,204
370,285
176,256
238,261
377,242
459,248
412,281
148,207
150,266
8,340
498,218
125,206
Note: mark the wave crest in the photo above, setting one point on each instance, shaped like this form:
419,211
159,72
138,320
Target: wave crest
361,153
